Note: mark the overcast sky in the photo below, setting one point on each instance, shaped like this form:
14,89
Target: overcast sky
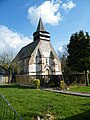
19,18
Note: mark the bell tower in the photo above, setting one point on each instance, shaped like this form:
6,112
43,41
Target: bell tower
41,33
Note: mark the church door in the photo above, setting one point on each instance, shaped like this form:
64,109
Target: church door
47,76
46,72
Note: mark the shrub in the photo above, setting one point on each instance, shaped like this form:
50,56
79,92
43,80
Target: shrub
62,84
36,83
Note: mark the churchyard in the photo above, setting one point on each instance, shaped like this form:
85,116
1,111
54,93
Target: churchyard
30,103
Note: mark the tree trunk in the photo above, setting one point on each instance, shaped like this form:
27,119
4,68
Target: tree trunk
87,78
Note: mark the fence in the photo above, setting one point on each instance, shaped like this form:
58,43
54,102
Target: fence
7,112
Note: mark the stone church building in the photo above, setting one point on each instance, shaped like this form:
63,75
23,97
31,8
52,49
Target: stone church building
38,59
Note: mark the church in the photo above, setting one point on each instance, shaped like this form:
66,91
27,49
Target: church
38,59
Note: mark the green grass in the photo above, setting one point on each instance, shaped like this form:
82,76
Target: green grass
84,89
31,102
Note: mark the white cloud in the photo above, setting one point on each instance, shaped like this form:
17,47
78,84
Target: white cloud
10,39
49,12
60,48
69,5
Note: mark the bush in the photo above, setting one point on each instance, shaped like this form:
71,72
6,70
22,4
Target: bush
62,84
36,83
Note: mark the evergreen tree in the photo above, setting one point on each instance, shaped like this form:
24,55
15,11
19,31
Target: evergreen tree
79,53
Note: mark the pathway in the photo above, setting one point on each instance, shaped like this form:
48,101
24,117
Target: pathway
67,92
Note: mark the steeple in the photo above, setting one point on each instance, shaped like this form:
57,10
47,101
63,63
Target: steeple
40,26
41,33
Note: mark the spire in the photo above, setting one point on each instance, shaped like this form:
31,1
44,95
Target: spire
41,33
40,25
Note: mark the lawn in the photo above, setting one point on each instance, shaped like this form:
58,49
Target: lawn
83,89
30,102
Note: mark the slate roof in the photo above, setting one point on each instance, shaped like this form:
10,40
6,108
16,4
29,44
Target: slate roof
40,26
26,51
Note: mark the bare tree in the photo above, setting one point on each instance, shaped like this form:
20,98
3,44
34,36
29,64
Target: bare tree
6,59
63,58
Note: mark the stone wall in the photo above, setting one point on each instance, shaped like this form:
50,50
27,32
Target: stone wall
76,78
26,79
23,79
